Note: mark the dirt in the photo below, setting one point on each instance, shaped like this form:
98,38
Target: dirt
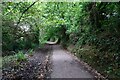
35,68
50,62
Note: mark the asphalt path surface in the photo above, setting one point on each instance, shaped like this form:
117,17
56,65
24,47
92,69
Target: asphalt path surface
65,66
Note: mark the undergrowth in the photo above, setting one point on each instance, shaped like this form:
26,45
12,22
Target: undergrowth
102,54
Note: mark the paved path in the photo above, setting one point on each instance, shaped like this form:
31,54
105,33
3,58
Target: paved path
65,66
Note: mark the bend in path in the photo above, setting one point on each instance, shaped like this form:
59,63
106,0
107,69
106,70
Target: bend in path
65,66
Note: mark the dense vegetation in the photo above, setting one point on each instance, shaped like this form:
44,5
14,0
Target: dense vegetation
91,28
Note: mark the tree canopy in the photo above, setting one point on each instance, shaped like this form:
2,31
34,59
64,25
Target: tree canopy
29,24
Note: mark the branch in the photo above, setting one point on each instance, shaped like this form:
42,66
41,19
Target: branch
11,9
25,11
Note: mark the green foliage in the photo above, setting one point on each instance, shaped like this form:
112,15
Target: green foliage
30,52
21,56
15,59
25,35
94,24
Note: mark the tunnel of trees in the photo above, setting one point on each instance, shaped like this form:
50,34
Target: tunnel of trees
91,28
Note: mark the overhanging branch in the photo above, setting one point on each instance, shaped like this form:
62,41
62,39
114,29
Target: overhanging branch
25,11
11,9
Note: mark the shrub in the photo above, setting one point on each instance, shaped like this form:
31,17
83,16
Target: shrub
20,56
